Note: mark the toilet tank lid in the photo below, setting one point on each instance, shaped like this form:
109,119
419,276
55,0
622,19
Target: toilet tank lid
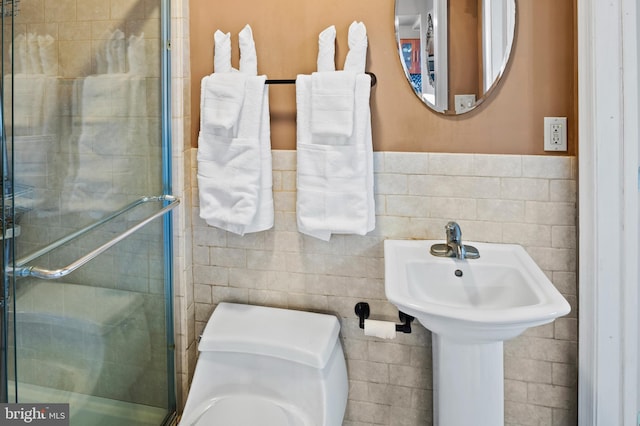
303,337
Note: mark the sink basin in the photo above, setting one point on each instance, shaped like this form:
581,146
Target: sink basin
493,298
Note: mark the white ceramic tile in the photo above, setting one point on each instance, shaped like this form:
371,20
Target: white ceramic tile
393,353
564,375
527,370
515,390
453,208
563,190
563,237
390,183
548,167
367,412
406,163
497,165
274,299
566,329
547,213
524,189
451,164
284,160
526,234
500,210
202,293
523,414
550,395
407,206
266,260
454,186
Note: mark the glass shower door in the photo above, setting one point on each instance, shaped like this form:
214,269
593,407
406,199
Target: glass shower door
87,245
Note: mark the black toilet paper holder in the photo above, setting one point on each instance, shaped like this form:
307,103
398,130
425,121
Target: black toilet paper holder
363,311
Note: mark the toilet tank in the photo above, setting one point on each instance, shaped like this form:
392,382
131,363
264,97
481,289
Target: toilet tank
294,355
303,337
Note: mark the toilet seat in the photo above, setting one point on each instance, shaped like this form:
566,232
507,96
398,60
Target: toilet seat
242,410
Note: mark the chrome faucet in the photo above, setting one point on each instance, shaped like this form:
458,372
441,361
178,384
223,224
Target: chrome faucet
454,247
454,239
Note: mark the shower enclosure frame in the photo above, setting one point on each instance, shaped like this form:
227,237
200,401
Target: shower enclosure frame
168,201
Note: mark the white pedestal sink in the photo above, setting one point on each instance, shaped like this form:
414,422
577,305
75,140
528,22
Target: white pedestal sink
471,307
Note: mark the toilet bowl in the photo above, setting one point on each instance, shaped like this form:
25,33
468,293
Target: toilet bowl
268,366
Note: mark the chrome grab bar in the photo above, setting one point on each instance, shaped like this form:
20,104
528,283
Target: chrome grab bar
34,271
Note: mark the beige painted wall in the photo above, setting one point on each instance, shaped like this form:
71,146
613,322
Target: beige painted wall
541,80
464,49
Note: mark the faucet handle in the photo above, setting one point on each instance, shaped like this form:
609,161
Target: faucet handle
454,234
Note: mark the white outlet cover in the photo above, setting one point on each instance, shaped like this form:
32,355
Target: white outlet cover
556,142
464,102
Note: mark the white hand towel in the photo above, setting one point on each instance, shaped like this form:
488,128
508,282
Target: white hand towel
19,54
357,55
248,58
332,103
222,95
327,49
222,52
28,92
116,53
335,182
264,218
48,55
34,66
234,173
101,149
136,54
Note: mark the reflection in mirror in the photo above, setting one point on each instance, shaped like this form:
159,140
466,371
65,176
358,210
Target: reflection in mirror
454,52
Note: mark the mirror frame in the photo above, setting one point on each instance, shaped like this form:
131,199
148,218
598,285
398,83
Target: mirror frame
442,57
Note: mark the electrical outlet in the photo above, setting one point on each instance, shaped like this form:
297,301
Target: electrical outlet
464,102
555,133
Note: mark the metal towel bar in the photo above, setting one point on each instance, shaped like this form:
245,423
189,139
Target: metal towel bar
374,80
20,270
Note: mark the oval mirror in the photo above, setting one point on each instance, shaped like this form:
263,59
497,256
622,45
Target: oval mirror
454,51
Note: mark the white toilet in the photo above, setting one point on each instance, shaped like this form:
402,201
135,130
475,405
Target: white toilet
269,367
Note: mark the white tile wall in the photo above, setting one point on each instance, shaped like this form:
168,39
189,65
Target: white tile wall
529,200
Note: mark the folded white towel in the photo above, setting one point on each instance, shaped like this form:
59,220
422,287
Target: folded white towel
357,55
335,182
228,180
234,172
222,95
222,52
248,58
327,49
332,102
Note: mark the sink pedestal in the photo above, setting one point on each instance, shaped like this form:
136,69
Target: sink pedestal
468,385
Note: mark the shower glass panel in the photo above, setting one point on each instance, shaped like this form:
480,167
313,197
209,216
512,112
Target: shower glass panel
84,134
